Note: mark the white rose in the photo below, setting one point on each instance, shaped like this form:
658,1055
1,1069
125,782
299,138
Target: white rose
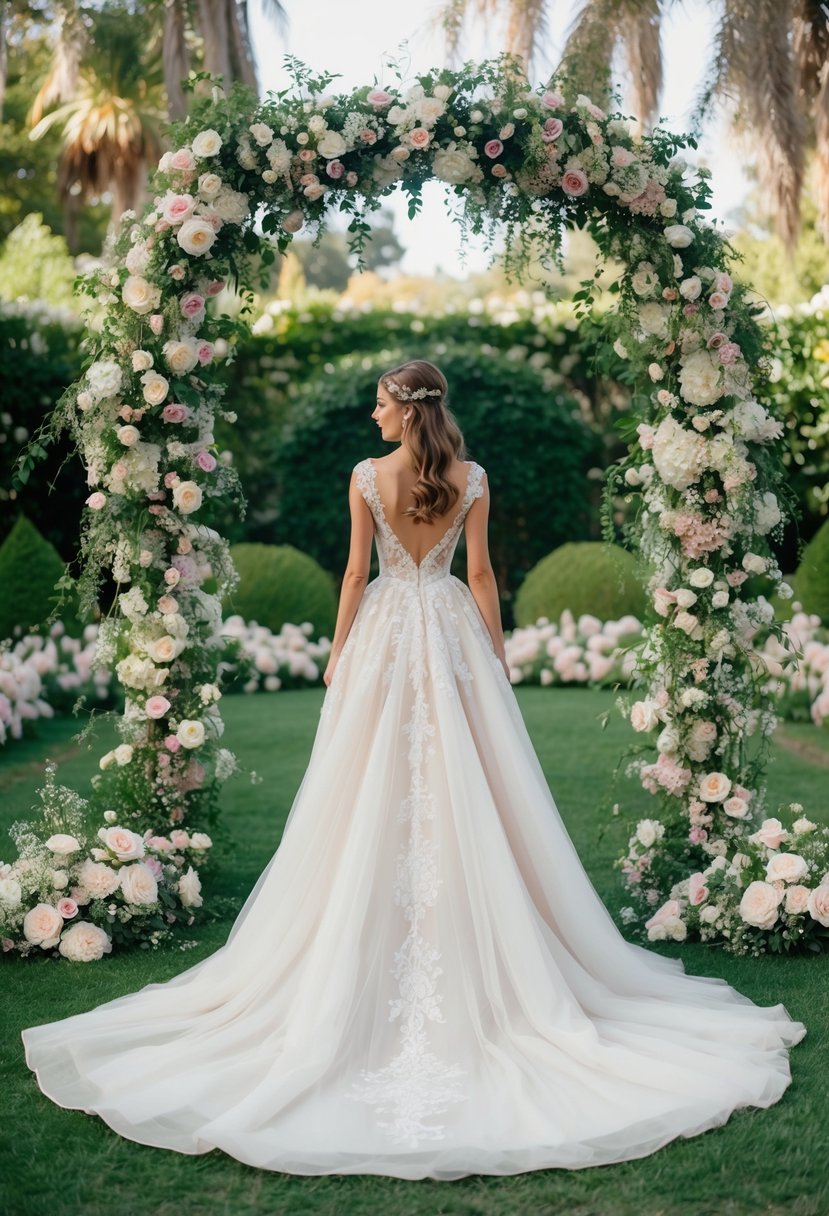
104,379
142,360
648,831
84,943
200,840
455,166
60,879
190,733
714,787
667,741
196,236
701,577
700,379
332,145
685,598
754,564
123,754
786,867
800,826
429,110
819,904
719,599
749,418
189,889
138,884
262,133
126,845
164,649
207,143
688,623
209,185
644,715
678,236
181,355
709,914
232,206
42,926
10,892
653,319
62,844
690,288
139,295
187,497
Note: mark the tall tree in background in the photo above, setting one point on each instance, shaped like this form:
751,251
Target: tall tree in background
769,67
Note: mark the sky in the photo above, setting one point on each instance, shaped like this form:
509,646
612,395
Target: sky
356,37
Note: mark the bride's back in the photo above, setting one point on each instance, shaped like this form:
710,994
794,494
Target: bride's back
395,480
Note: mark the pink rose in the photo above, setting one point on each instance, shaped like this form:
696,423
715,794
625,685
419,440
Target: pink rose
156,323
335,169
179,838
666,912
574,182
154,866
718,299
697,835
204,352
175,412
645,434
172,743
67,908
736,577
177,272
689,310
119,470
156,707
167,604
552,129
171,576
621,157
206,461
379,97
493,148
729,353
716,340
306,155
214,287
420,138
178,207
552,101
96,501
367,136
171,479
309,179
499,170
192,306
183,160
770,833
697,890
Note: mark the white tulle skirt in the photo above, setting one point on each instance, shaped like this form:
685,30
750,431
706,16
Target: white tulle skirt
423,982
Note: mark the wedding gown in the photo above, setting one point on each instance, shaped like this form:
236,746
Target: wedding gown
423,981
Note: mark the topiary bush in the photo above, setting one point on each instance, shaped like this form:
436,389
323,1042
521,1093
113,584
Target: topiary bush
812,579
29,569
529,437
590,577
278,584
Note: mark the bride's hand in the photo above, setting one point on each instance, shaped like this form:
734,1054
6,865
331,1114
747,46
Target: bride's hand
328,674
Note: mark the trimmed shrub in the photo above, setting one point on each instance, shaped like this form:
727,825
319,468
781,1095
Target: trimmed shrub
29,569
812,585
590,577
278,584
530,438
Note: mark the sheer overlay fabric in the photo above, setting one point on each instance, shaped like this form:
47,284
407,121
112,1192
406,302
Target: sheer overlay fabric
423,981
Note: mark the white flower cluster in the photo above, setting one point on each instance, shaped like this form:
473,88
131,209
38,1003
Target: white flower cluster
275,657
581,650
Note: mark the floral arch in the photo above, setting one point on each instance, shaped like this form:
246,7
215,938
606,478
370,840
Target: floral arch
703,478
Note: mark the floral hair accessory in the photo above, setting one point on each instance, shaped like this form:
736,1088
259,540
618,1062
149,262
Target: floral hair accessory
403,393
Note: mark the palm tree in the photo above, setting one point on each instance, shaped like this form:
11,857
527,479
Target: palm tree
110,107
770,67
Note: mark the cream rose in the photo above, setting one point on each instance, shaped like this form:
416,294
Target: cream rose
207,143
181,355
189,889
84,943
164,649
138,884
644,715
123,754
196,236
142,360
190,733
42,926
771,833
200,840
760,905
786,867
10,892
155,388
97,879
714,787
332,145
797,899
701,577
139,295
818,904
737,808
187,497
678,236
129,435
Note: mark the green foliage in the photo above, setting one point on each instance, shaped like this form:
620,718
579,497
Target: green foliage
29,569
588,577
35,265
279,584
539,492
812,585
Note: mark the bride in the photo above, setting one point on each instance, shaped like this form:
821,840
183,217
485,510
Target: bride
423,982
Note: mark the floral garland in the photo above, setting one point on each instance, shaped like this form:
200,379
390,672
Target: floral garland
531,161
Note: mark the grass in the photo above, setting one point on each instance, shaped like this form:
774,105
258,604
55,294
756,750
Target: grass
65,1163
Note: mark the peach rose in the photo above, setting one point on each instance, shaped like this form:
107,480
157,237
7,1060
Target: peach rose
770,833
797,899
138,884
125,844
818,904
644,715
737,808
760,903
84,943
714,787
42,926
697,890
157,707
786,867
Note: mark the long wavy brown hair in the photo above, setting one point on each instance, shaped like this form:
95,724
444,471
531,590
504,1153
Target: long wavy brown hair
431,435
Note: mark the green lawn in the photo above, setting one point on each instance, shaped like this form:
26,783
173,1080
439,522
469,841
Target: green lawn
65,1163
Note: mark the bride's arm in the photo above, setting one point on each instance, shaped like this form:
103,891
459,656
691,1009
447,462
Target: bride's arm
355,577
479,573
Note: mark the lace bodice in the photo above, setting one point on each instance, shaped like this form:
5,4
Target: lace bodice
395,560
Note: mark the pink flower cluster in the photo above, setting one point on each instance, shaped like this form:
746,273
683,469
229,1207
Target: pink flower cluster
665,774
699,536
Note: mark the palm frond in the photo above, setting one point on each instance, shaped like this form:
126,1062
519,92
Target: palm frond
526,28
811,45
175,56
640,34
62,80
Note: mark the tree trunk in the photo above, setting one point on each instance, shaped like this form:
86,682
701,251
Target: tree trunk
176,58
244,67
216,36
